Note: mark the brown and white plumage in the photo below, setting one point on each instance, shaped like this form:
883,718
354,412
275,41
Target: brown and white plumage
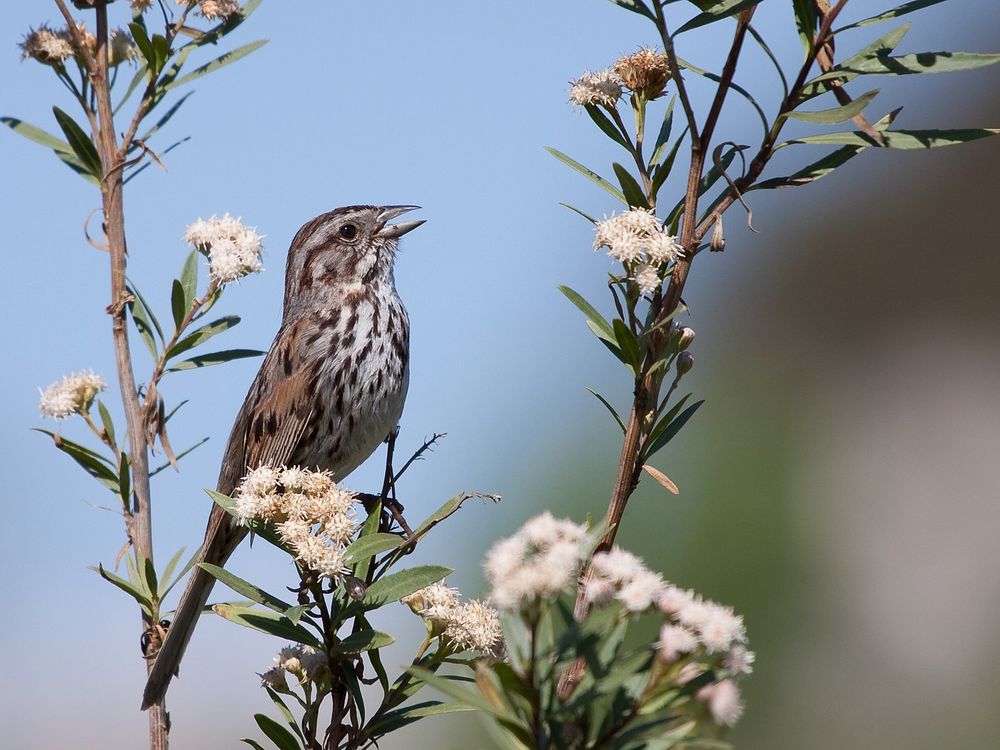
330,389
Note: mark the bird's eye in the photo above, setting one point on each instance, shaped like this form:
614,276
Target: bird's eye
348,231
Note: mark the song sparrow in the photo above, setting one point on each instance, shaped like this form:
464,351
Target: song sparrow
330,389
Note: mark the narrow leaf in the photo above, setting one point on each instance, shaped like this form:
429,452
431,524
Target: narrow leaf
633,193
673,428
610,408
93,463
636,6
588,173
628,344
214,358
888,15
587,309
281,737
140,597
587,216
899,139
80,142
37,135
395,586
837,114
266,622
372,544
605,124
363,640
663,137
245,588
719,11
219,62
203,334
662,478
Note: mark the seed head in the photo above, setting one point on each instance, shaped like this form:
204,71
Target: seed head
645,72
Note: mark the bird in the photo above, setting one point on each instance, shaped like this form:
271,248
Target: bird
330,389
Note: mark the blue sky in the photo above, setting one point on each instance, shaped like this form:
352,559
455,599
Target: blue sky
446,105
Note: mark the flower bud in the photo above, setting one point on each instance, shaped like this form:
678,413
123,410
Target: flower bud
718,241
685,361
685,338
355,587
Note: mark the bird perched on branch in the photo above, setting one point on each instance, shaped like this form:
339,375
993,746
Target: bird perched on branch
330,389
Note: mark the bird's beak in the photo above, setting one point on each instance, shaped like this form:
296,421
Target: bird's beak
394,231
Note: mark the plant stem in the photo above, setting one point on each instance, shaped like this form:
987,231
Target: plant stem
139,522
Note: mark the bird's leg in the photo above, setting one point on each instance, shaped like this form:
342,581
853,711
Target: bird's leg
388,496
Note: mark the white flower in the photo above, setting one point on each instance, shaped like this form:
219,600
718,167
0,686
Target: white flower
275,679
540,560
476,626
437,595
595,88
723,701
233,248
74,394
212,9
618,565
634,235
304,662
292,478
739,660
641,592
675,641
647,278
717,626
673,599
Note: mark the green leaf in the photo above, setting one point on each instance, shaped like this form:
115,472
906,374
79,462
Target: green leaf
805,23
285,712
822,167
264,531
37,135
369,528
143,44
721,10
605,124
663,137
837,114
203,334
80,142
365,639
393,720
610,408
134,591
633,193
166,464
734,86
169,571
896,12
267,622
214,358
125,482
245,588
148,314
636,6
589,310
162,121
853,66
463,695
899,139
587,216
663,170
672,429
365,547
252,743
588,173
92,462
281,737
106,422
628,345
144,326
219,62
395,586
183,572
189,279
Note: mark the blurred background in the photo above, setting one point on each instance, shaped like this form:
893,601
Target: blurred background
839,488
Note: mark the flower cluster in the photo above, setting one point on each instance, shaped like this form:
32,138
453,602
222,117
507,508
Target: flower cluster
305,663
212,9
54,46
471,626
637,238
595,88
311,514
539,561
645,73
233,249
74,394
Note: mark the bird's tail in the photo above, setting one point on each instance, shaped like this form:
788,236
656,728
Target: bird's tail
222,537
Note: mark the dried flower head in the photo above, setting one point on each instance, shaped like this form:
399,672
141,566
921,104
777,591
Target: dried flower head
46,46
312,515
540,560
74,394
141,5
233,249
595,88
212,9
645,72
305,663
636,235
121,49
275,678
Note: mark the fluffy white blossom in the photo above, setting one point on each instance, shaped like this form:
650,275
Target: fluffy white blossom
647,278
74,394
675,641
717,626
476,626
540,560
275,678
595,88
233,249
636,235
620,575
739,660
305,663
723,700
312,515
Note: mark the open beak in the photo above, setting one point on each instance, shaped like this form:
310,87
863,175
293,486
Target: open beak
394,231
